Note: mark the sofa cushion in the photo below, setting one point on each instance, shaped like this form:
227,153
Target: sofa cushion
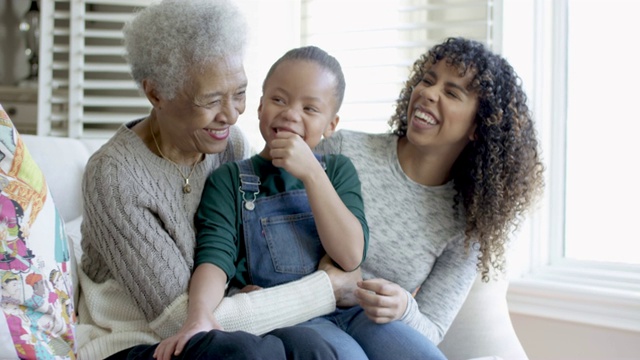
37,318
53,154
483,326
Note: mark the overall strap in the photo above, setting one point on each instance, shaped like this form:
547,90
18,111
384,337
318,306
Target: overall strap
320,158
249,183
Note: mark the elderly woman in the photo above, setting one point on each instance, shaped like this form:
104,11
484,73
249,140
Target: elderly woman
142,188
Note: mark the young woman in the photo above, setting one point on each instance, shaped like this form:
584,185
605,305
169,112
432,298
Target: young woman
443,191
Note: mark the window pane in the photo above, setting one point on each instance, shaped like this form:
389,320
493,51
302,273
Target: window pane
603,132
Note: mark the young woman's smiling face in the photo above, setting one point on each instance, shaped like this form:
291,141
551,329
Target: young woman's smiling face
442,110
299,97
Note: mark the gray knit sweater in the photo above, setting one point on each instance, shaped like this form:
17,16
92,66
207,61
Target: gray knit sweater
138,242
134,206
416,238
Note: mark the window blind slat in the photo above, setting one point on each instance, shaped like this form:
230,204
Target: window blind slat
109,85
106,68
104,50
103,34
119,102
138,3
108,17
111,118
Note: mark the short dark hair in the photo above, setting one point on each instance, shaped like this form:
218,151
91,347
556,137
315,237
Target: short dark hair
320,57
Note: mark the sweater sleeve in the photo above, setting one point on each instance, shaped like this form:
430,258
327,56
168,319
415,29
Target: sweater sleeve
259,312
345,180
442,294
216,221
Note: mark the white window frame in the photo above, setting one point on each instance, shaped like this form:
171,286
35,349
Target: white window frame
552,286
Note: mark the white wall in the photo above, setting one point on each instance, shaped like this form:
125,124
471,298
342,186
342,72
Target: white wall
546,339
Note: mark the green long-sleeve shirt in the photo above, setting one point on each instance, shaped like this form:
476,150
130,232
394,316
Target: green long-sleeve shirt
218,220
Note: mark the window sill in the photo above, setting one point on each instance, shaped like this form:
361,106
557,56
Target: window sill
580,292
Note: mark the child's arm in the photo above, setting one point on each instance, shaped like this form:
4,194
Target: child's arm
340,231
206,290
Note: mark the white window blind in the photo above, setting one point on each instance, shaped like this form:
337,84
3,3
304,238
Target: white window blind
85,89
377,41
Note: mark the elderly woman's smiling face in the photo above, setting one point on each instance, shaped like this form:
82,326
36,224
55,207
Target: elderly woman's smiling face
199,117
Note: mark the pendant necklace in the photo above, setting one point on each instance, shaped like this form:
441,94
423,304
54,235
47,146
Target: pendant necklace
186,188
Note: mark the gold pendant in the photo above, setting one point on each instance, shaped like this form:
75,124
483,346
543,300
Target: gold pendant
186,188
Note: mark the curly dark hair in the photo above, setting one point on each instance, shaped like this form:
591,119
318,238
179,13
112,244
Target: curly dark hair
498,175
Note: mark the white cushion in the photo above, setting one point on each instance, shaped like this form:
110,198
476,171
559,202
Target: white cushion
62,160
483,326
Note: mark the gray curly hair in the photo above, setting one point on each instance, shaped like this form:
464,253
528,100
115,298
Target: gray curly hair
170,38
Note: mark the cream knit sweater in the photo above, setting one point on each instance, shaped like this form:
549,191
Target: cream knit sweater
138,241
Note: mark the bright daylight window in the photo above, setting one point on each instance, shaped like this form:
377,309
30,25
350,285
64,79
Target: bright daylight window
602,192
377,41
584,263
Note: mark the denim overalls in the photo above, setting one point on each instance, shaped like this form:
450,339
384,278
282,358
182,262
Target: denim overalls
280,235
282,245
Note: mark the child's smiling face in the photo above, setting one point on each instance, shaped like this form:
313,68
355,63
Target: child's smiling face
299,97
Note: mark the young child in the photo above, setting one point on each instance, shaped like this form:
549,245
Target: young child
269,219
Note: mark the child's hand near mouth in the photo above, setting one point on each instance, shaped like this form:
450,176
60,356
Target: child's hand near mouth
290,152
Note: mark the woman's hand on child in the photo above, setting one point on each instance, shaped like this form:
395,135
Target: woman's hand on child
344,283
382,300
175,344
